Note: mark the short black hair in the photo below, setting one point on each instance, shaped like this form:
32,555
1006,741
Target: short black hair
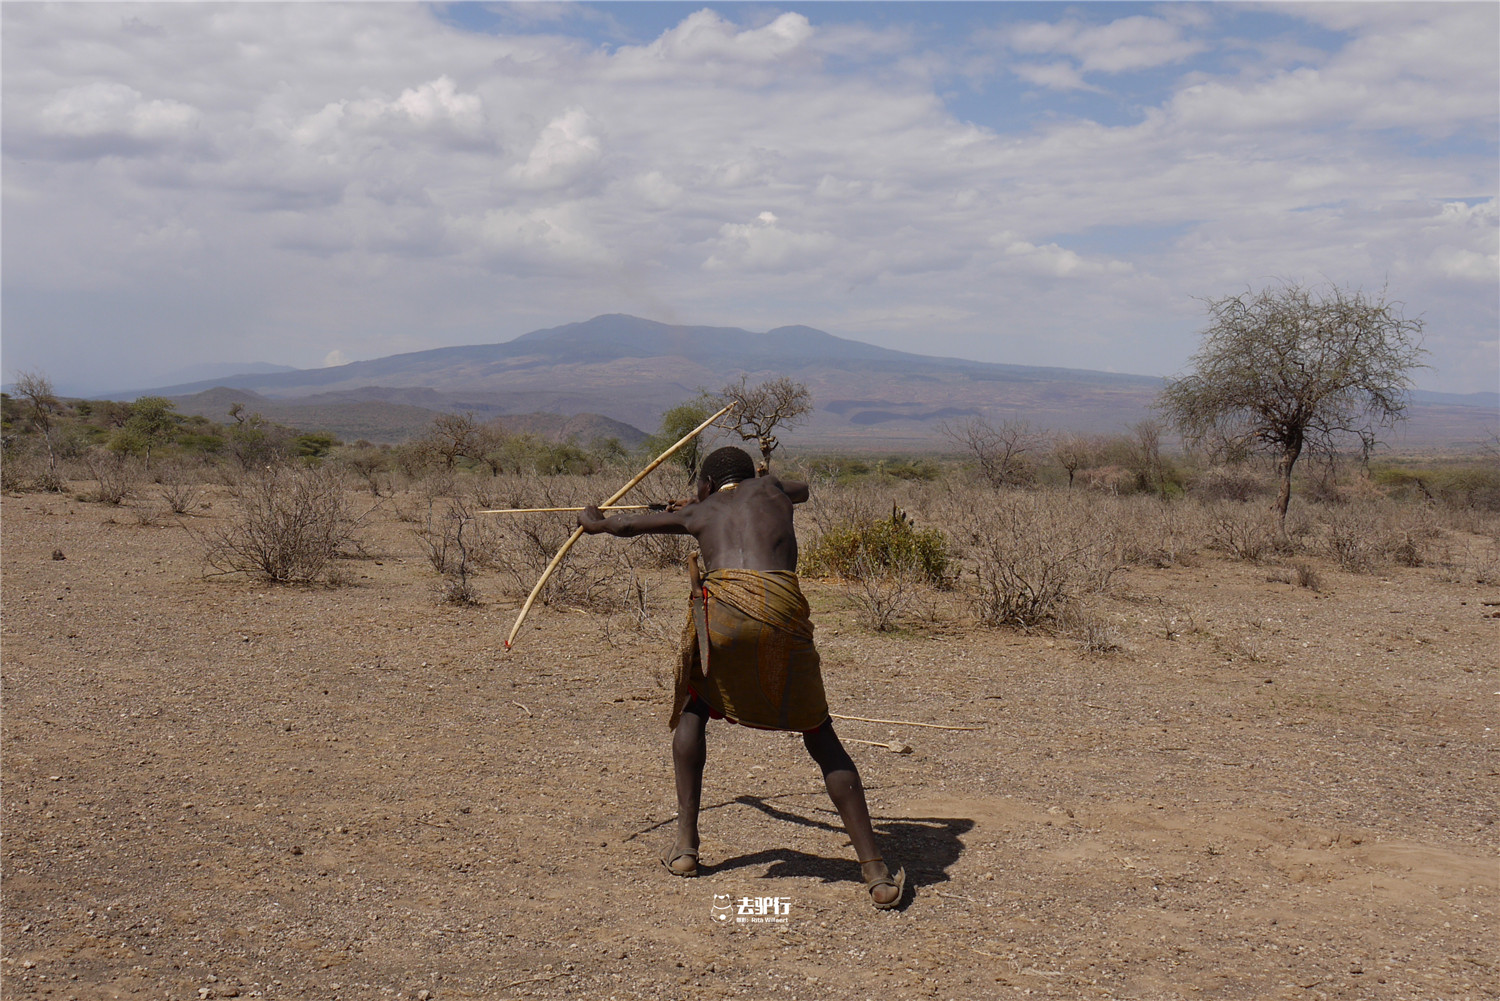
727,465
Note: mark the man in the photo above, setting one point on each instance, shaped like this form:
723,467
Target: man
750,657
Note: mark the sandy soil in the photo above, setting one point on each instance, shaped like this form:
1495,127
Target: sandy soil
215,788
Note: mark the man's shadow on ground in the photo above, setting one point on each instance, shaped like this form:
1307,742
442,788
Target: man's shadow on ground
924,846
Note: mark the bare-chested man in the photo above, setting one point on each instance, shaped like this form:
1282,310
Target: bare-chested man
749,655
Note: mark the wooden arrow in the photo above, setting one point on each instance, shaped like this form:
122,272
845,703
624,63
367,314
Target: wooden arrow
550,510
578,532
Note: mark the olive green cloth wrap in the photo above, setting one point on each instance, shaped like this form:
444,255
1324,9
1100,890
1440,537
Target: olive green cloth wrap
763,669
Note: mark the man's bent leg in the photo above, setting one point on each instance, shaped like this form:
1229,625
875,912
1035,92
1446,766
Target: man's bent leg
689,753
848,795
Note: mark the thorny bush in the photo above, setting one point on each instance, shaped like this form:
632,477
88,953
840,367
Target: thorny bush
290,527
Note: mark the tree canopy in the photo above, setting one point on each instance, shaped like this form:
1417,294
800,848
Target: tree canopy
780,402
1290,368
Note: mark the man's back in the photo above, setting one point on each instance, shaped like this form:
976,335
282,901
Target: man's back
747,526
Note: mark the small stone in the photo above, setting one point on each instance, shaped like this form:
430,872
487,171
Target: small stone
424,995
57,554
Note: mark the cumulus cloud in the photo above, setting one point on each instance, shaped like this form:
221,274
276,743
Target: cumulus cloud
765,246
1053,261
705,35
566,149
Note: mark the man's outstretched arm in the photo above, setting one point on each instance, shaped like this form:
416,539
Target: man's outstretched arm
593,522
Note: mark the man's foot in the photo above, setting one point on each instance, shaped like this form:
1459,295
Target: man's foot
681,864
885,890
681,859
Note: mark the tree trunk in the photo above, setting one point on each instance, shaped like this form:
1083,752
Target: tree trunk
1284,497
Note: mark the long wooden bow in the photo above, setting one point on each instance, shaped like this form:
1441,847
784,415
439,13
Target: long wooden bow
578,532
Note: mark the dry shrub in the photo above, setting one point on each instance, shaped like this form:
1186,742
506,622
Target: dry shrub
882,592
1237,483
115,474
1029,555
1150,531
450,554
595,575
181,487
1090,630
1307,577
1245,531
290,526
1354,537
24,466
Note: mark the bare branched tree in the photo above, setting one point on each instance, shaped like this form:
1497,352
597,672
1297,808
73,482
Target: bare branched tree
1289,369
779,403
41,403
452,437
1073,452
1001,450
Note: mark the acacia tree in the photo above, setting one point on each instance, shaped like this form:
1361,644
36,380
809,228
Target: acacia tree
1290,369
763,408
451,437
153,422
1072,452
678,422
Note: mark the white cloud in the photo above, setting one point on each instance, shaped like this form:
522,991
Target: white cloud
1130,43
1054,261
705,35
1057,76
106,108
764,246
566,149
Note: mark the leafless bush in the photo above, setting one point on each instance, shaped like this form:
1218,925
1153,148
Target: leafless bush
1238,483
290,527
1245,531
1091,631
1148,530
442,538
369,464
22,466
115,474
1029,555
437,482
1353,538
181,488
663,551
1308,577
1003,452
883,592
590,577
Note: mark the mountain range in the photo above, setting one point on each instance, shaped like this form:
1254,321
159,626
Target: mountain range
623,372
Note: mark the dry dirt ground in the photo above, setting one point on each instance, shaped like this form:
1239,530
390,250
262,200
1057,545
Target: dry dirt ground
218,788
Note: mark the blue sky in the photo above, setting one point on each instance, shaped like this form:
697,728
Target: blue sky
1034,183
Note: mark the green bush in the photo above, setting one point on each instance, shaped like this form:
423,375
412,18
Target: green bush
853,549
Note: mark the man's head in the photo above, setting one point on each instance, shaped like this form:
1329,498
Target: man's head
726,465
